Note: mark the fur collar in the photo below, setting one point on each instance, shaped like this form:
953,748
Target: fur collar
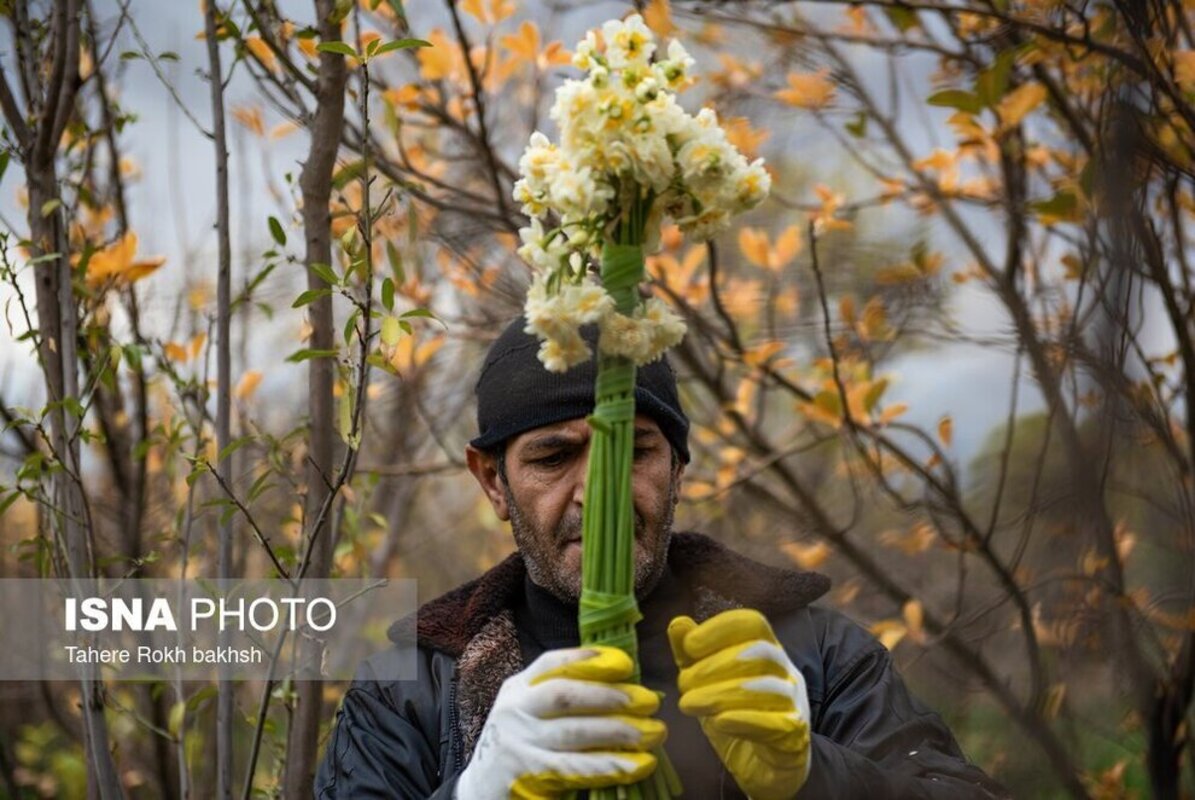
451,621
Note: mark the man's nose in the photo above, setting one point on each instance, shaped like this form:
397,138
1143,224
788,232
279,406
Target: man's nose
579,484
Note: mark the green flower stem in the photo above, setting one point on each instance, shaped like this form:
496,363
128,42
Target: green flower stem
609,609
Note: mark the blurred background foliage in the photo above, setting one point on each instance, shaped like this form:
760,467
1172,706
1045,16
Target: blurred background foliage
949,363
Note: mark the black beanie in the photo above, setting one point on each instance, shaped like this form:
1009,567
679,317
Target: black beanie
515,393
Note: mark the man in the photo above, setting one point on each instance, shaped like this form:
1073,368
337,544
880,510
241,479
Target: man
763,695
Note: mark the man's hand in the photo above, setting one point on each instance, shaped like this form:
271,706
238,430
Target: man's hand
562,724
749,698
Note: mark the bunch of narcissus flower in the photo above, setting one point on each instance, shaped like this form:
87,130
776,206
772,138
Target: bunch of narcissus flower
628,158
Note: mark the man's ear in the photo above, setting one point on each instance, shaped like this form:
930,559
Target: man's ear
484,467
678,478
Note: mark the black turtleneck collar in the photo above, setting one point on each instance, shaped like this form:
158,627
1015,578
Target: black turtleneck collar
545,622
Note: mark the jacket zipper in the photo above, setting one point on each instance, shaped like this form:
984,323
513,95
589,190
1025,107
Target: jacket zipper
457,742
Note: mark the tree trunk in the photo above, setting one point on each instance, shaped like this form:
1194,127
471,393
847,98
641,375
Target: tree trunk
226,694
316,185
38,130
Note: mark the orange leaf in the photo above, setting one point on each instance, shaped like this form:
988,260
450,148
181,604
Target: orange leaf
250,117
440,61
758,355
914,615
196,344
262,52
745,138
1184,69
488,13
754,245
946,430
175,351
917,540
248,384
307,45
1013,107
812,90
283,129
824,219
658,16
524,44
846,309
116,261
889,632
874,324
807,556
787,246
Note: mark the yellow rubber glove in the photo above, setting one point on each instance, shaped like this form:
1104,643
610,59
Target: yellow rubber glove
750,699
565,723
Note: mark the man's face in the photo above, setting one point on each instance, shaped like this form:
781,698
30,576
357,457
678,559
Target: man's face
544,493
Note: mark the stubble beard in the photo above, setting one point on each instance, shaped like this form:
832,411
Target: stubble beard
540,551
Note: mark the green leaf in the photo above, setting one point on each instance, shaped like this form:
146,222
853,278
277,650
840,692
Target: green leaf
345,418
397,7
419,312
195,474
395,257
902,18
956,98
992,83
130,55
307,354
342,48
201,696
49,207
310,296
388,294
391,332
260,485
371,48
326,272
874,393
401,44
1062,207
8,501
233,446
175,718
71,405
347,173
350,325
277,232
5,155
168,55
858,126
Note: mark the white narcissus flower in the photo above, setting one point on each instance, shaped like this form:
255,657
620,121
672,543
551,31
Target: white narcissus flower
623,140
752,185
585,51
587,303
629,42
542,250
561,355
575,191
675,70
624,336
665,328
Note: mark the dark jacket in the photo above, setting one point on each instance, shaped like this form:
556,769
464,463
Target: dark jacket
872,740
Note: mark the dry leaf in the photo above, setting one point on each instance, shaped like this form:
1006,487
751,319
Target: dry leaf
812,90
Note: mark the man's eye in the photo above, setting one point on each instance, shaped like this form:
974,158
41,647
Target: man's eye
640,452
553,460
